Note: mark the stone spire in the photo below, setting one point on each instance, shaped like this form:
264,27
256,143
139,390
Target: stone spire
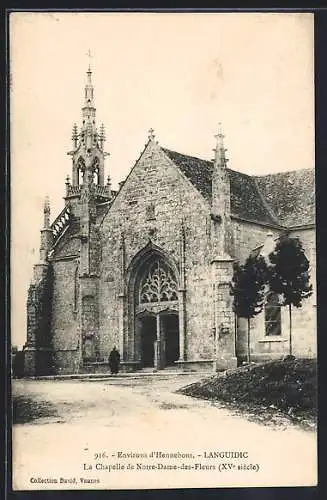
220,179
222,262
46,213
88,149
220,196
220,159
88,130
46,233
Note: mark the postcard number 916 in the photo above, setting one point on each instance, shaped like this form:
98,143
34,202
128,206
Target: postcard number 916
100,455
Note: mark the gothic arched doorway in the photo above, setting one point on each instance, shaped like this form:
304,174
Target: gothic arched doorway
156,313
148,336
170,326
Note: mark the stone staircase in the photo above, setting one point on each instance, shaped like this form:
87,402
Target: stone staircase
144,373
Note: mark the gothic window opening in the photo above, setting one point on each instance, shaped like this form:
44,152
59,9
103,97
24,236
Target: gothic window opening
158,284
76,289
273,316
80,171
96,170
96,176
150,212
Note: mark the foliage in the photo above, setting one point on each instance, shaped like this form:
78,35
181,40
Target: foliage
248,287
289,271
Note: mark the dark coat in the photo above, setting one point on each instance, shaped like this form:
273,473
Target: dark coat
114,360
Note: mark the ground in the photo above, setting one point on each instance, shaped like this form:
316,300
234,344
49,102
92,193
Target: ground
269,392
65,427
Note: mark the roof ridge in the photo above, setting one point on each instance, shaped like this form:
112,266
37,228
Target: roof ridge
184,154
202,159
304,169
237,171
127,176
265,203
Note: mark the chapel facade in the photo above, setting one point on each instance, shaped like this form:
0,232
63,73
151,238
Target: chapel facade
147,268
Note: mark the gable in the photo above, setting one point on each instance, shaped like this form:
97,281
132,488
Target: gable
155,179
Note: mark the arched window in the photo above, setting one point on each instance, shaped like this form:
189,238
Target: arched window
158,283
96,176
96,165
80,170
76,289
273,326
150,212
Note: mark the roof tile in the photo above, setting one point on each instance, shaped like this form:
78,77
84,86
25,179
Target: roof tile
280,199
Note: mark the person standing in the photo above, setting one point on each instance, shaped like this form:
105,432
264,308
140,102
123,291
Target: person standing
114,360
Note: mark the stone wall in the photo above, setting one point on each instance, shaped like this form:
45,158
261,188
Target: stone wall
247,236
304,319
155,181
37,350
65,333
304,341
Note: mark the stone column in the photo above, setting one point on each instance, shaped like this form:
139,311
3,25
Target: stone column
224,324
123,323
181,318
122,328
89,313
157,345
181,297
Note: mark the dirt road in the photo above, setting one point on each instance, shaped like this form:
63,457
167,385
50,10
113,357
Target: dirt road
122,433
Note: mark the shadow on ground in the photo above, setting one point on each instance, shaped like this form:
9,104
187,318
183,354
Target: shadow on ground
27,409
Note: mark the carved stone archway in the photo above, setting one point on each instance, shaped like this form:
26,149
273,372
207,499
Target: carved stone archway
153,310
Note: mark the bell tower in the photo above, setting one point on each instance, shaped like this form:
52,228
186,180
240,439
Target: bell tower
84,193
88,154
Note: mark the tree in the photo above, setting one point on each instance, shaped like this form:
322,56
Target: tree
248,288
288,275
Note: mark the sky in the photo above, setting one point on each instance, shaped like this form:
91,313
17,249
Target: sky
180,74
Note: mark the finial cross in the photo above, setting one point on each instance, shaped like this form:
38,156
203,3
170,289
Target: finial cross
151,134
89,55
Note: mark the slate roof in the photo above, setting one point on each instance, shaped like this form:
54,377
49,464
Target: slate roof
285,199
291,196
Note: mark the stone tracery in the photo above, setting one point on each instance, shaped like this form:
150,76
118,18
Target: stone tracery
158,284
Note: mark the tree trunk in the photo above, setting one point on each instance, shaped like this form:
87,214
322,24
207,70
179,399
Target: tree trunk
249,354
290,315
235,334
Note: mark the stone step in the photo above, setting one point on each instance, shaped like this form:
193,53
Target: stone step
121,376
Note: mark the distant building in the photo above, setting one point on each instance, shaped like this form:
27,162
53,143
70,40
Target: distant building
148,268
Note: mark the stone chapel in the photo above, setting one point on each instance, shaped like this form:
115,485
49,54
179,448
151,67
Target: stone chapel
147,268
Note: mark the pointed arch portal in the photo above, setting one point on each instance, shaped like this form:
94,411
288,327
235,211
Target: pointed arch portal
155,322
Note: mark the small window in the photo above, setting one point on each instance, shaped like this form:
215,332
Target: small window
273,316
76,289
150,212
